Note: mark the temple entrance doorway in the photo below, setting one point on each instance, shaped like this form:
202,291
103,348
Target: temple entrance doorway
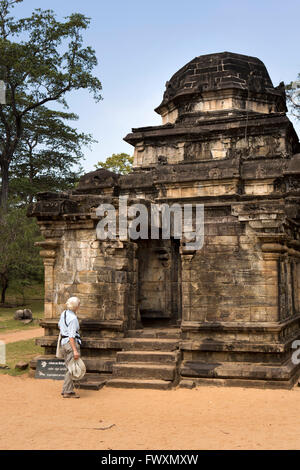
159,282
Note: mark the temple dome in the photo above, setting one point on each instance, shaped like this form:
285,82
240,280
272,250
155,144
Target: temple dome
220,71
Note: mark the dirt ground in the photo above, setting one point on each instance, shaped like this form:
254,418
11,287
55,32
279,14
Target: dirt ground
15,336
33,415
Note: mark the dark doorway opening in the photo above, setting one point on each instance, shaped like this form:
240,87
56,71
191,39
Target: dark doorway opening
159,282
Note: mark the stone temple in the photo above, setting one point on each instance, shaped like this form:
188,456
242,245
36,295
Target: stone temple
155,313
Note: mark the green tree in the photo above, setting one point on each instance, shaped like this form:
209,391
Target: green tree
119,163
48,155
20,263
43,67
293,96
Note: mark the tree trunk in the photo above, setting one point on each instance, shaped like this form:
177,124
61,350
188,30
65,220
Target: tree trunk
4,287
30,175
4,185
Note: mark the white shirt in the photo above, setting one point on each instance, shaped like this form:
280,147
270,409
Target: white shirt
71,329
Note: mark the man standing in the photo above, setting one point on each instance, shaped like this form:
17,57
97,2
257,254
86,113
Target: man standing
70,343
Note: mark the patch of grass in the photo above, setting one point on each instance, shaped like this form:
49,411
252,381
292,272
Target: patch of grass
22,351
7,322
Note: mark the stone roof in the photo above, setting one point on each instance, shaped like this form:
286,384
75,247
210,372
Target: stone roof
96,179
219,71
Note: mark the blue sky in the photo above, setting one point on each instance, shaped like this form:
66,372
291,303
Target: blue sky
140,44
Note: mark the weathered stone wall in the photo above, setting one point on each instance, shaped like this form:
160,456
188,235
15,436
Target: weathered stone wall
102,273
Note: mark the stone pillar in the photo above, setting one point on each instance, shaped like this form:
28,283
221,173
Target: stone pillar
272,263
186,282
280,260
134,317
49,256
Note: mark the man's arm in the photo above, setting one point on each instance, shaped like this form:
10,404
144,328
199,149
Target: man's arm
75,352
72,334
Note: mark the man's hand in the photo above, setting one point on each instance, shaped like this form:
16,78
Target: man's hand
76,355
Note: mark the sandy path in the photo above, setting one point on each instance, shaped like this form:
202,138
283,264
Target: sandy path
14,336
34,416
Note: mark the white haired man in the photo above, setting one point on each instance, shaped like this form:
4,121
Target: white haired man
70,343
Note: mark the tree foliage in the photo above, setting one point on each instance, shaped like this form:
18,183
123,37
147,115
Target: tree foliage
48,156
293,96
48,62
41,61
118,163
20,263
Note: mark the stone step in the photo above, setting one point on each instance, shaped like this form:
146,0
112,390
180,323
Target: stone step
93,381
149,344
144,371
167,333
91,385
95,377
158,357
139,383
236,370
